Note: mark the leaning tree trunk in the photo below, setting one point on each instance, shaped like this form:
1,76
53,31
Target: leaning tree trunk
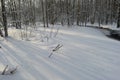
4,17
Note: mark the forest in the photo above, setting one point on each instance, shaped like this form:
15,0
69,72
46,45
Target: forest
64,12
59,39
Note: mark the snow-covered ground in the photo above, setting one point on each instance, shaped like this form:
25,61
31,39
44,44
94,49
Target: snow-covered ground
87,54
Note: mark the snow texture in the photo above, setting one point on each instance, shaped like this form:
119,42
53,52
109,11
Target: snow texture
87,54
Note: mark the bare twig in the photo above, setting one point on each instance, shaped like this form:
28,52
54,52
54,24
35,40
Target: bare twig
55,49
4,70
50,55
56,32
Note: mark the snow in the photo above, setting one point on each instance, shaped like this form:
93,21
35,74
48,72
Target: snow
87,54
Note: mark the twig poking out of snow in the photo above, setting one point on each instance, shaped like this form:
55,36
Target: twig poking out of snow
4,70
56,32
50,54
55,49
9,71
51,32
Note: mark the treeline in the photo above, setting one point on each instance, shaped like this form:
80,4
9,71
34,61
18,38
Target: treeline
70,12
79,12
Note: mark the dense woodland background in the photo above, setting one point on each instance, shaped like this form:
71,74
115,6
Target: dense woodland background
65,12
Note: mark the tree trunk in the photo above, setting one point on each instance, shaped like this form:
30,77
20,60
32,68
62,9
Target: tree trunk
4,17
43,14
67,7
19,23
118,21
73,12
46,6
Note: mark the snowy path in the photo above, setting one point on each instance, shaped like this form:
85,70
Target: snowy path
86,55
